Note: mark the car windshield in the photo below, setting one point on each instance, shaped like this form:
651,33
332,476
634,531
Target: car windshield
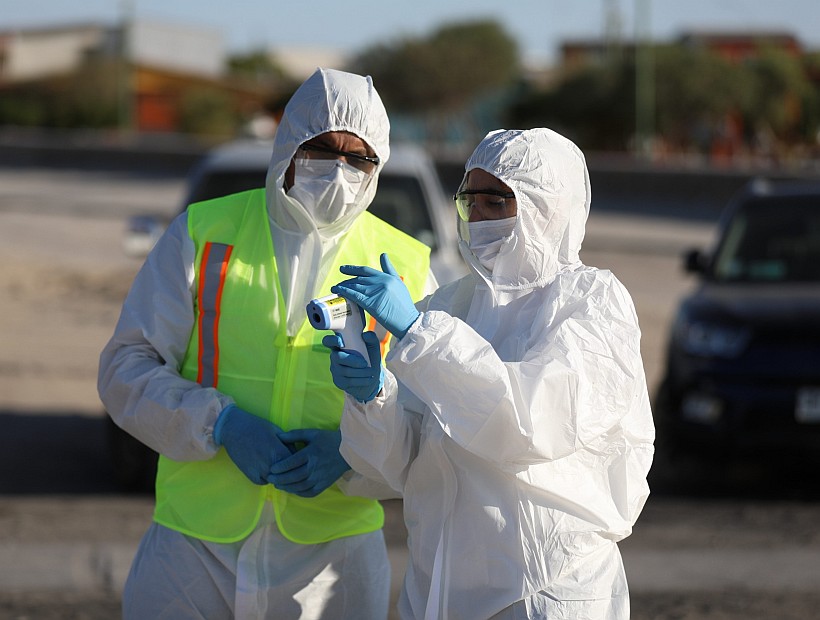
399,201
223,182
772,240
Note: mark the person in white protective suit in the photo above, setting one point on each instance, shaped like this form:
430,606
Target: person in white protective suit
214,365
514,417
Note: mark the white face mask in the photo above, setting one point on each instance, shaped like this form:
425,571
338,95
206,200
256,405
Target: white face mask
487,237
327,188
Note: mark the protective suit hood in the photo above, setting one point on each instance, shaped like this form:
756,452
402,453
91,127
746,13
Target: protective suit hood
329,100
549,177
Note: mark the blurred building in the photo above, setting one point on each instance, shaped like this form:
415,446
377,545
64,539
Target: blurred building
183,49
300,62
27,54
42,52
733,46
738,46
160,66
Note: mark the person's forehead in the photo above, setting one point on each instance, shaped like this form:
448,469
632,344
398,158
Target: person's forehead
481,179
341,140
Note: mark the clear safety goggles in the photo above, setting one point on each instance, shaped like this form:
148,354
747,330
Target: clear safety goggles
491,204
365,163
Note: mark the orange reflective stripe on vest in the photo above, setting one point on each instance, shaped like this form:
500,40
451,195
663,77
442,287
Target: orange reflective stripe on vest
213,268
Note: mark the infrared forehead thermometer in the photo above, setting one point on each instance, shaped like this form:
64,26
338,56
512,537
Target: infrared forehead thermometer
343,317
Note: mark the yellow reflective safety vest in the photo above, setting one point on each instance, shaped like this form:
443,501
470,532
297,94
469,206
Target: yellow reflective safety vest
240,347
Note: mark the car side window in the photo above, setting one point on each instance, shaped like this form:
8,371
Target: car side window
223,183
771,242
400,202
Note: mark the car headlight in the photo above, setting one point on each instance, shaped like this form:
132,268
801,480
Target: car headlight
712,340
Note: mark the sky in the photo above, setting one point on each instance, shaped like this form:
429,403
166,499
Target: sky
539,26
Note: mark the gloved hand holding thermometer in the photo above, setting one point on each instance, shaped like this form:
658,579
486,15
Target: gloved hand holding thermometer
355,358
343,317
380,293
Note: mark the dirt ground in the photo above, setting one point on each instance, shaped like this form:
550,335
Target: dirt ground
669,525
62,280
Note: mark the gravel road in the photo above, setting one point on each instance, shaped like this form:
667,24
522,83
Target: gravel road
737,541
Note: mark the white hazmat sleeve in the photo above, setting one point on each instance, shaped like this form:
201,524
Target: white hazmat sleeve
139,382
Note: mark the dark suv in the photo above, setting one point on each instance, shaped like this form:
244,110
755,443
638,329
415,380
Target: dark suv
743,359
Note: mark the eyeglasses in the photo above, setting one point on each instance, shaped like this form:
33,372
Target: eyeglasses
492,204
364,163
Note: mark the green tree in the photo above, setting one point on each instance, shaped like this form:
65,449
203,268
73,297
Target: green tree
87,97
442,72
811,104
698,95
784,98
208,112
23,107
256,66
593,106
696,91
92,95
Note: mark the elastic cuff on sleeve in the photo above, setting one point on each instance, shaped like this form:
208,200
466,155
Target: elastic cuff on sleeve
416,321
220,422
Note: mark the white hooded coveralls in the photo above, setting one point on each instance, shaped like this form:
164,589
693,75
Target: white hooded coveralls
265,575
515,418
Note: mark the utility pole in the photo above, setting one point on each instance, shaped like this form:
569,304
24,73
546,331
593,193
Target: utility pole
644,80
612,30
126,87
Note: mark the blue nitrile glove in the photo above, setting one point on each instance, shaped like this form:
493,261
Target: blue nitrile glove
313,467
380,293
351,373
252,443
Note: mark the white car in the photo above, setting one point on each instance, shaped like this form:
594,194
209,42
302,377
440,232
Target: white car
409,197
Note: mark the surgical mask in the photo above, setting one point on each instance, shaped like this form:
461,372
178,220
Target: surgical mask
327,188
487,237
